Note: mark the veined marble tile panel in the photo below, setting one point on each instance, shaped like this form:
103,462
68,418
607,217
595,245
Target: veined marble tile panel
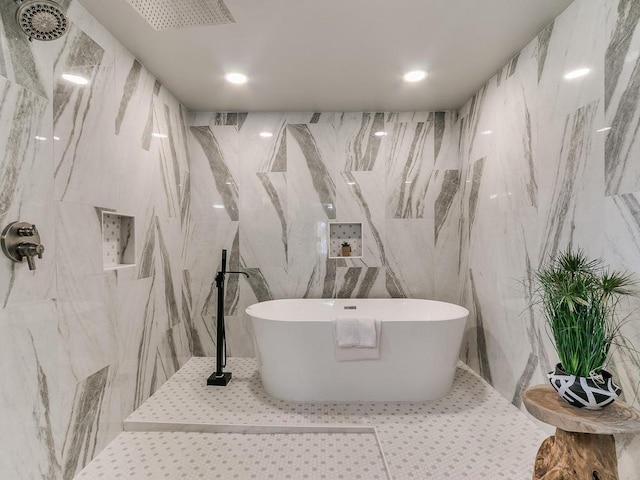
500,262
301,118
408,117
515,133
77,256
360,282
217,119
216,168
133,302
239,334
162,309
85,167
26,187
446,253
443,193
86,432
312,194
475,191
622,227
361,149
263,154
359,200
87,333
202,261
168,266
576,41
474,350
478,124
139,172
86,329
170,143
137,196
409,265
622,247
409,162
446,141
172,352
622,96
204,194
263,230
135,88
263,284
146,369
571,191
29,403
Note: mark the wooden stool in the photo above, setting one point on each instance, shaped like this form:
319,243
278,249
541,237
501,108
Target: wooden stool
583,447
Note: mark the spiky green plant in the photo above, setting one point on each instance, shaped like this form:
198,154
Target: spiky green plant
579,297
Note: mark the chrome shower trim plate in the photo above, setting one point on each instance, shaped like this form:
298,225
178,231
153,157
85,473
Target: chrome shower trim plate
41,19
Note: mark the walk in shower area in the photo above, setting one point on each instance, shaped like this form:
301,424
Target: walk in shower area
189,430
119,190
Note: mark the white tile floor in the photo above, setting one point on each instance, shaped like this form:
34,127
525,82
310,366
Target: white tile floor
180,455
472,433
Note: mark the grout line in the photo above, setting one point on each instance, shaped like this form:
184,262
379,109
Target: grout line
132,426
384,457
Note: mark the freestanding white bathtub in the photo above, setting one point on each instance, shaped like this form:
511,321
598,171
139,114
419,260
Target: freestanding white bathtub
419,348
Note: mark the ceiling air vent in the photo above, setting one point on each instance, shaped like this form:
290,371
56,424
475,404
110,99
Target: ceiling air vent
164,14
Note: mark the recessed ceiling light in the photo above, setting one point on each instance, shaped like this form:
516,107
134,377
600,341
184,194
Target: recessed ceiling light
486,132
77,79
415,76
159,135
380,134
266,134
237,78
605,129
580,72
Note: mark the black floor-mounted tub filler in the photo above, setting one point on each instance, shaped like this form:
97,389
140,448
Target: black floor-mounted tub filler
219,377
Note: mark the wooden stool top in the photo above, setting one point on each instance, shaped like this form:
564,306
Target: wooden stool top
544,403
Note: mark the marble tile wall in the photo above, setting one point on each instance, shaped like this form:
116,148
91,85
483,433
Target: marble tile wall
269,201
81,347
546,163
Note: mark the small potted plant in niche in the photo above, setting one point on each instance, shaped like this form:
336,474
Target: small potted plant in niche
346,249
579,297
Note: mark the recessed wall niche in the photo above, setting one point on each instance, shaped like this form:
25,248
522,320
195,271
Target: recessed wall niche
349,232
118,240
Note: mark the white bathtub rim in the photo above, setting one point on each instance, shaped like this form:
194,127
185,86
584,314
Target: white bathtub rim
263,312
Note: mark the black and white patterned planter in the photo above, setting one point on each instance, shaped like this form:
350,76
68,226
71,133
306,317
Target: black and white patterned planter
592,393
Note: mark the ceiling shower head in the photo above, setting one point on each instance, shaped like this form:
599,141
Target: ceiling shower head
41,19
164,14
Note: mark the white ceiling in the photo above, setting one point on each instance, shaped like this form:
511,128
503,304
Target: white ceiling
333,55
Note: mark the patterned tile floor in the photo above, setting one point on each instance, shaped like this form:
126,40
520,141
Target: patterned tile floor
472,433
180,455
